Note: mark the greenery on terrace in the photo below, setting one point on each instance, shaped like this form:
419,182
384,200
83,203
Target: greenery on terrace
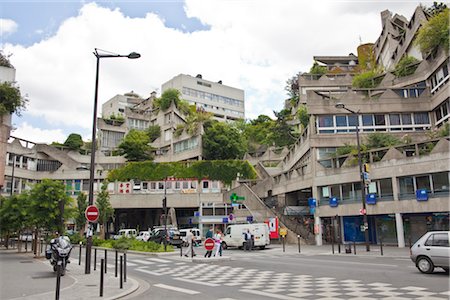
222,170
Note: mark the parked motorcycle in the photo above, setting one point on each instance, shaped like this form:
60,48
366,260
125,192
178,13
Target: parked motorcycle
59,253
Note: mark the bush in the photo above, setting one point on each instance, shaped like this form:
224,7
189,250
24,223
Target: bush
366,80
76,238
406,66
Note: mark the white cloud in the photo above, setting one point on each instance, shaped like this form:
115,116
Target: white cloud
7,27
252,45
37,135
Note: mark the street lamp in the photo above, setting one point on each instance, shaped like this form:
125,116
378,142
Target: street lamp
363,189
132,55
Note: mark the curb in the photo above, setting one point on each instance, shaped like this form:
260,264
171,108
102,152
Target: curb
129,291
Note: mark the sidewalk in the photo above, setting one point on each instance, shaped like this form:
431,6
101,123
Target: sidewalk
39,282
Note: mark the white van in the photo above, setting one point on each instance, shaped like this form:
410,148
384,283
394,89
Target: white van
195,232
128,233
234,235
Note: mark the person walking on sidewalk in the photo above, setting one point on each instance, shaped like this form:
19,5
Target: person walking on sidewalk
248,240
209,235
218,242
190,241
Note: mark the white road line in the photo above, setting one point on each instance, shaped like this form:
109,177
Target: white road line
131,264
148,272
143,262
177,289
271,295
197,282
159,260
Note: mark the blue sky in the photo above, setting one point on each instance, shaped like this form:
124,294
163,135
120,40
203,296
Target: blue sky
248,44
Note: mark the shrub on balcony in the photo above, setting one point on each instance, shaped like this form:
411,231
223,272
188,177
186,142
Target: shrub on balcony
406,66
435,33
366,80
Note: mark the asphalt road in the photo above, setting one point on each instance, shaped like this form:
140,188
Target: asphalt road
269,274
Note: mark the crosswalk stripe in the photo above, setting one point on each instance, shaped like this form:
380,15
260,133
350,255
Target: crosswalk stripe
159,260
177,289
148,272
143,262
265,294
197,282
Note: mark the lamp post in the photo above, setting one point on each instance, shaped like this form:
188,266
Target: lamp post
98,55
363,188
164,204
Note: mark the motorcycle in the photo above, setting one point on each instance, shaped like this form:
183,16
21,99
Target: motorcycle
59,253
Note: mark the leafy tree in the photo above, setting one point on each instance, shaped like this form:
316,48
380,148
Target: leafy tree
406,66
154,132
10,99
167,98
282,135
44,208
80,219
292,89
222,141
380,140
303,116
135,146
105,208
14,216
435,33
317,69
195,119
74,141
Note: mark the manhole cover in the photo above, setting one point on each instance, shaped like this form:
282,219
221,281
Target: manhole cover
26,262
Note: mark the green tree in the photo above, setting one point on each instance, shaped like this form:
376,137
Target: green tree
105,208
303,116
154,132
74,141
292,90
168,97
80,219
136,146
435,33
14,216
317,69
46,200
222,141
380,140
282,134
10,99
406,66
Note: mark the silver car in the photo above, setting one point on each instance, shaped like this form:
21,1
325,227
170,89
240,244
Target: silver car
431,250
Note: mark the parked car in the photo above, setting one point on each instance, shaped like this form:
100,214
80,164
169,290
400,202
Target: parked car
195,232
158,235
128,233
431,250
143,236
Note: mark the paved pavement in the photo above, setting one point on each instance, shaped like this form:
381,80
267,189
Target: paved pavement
36,279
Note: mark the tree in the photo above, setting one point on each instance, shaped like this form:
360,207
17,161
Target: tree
303,116
292,89
380,140
154,132
136,146
281,134
80,219
222,141
74,141
14,216
10,99
168,97
435,33
436,8
105,208
317,69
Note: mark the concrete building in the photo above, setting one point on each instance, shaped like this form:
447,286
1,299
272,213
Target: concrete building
225,102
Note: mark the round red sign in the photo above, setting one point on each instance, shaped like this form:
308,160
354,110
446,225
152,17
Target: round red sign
209,244
91,213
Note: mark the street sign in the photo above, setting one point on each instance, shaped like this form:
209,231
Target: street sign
362,211
91,213
283,231
231,217
209,244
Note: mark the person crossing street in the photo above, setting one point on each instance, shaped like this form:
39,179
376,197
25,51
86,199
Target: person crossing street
209,234
190,241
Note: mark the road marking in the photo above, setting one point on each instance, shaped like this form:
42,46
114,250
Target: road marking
148,272
164,261
344,262
197,282
143,262
177,289
271,295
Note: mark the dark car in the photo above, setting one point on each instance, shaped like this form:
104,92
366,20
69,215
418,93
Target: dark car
158,236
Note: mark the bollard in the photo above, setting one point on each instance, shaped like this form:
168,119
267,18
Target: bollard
121,272
106,261
95,259
181,250
58,279
381,245
298,237
26,246
284,239
42,244
79,256
125,267
115,265
101,277
192,249
354,246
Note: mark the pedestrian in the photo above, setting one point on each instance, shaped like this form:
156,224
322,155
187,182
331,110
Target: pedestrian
209,235
190,240
218,242
248,240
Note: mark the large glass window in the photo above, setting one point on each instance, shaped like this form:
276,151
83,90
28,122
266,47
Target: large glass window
394,119
341,121
421,118
367,120
380,120
385,187
406,119
423,182
406,185
440,182
325,121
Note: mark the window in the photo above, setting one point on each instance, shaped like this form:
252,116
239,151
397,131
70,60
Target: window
325,121
185,185
385,187
380,120
406,185
205,184
341,121
421,118
406,119
168,134
437,240
423,183
367,120
440,182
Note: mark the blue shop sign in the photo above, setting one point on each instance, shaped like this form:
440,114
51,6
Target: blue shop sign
312,202
312,210
225,220
371,199
250,219
422,195
333,202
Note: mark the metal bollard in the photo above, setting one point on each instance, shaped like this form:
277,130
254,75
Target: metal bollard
381,245
115,265
95,259
42,245
58,279
354,246
106,261
26,246
284,241
125,267
121,272
192,249
299,250
79,256
101,277
181,250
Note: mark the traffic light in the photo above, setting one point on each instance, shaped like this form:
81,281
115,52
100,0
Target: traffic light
164,202
367,168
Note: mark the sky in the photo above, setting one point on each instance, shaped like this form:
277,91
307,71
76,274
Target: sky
254,45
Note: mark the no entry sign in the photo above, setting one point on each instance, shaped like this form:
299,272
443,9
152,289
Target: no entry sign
209,244
91,213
